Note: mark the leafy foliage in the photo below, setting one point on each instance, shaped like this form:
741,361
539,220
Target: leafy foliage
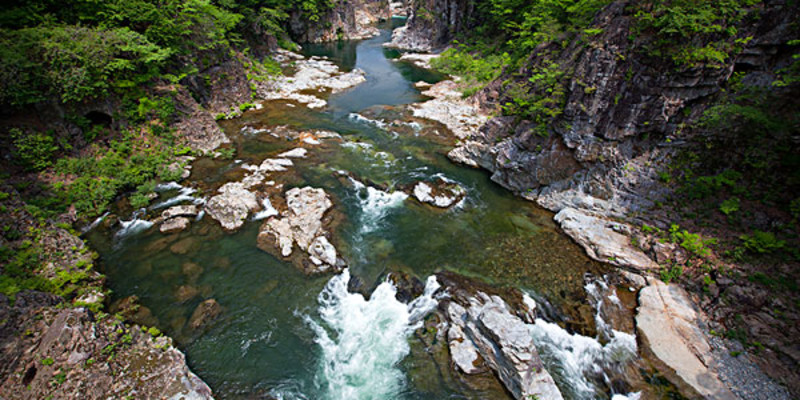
762,242
33,150
691,32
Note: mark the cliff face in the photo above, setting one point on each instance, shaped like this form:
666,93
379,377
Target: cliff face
433,24
625,117
622,117
347,20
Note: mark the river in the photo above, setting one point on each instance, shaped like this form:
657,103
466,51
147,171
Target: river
286,335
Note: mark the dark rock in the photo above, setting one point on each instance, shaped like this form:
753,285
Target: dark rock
204,314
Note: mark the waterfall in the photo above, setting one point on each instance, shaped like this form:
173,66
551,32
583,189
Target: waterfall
362,341
95,222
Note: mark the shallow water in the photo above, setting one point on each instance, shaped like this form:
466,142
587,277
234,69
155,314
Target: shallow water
291,336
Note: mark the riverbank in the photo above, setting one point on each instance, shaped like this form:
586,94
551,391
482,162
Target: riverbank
630,197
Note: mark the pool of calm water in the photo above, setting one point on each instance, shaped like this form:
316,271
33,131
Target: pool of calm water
269,340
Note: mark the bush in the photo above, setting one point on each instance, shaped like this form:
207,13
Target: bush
762,242
691,242
730,206
33,150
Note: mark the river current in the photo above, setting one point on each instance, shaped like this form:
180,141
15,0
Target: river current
286,335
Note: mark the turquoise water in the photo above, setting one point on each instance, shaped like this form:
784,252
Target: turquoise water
276,336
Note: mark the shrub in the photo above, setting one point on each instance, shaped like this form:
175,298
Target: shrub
33,150
762,242
729,206
691,242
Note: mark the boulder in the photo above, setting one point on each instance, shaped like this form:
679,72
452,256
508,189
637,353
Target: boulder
301,224
601,240
440,193
176,224
669,326
485,329
189,210
322,251
232,206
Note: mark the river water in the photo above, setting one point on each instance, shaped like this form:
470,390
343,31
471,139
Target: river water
286,335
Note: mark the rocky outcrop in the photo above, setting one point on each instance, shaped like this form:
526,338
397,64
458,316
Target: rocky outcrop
485,333
68,354
620,118
232,206
604,240
670,326
462,117
302,224
314,74
347,20
439,193
195,125
433,23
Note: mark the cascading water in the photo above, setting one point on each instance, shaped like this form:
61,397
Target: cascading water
375,204
184,194
581,361
134,225
362,341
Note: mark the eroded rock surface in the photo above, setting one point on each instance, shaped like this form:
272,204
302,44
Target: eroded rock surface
604,240
312,75
669,325
302,224
461,116
485,333
90,359
232,206
440,193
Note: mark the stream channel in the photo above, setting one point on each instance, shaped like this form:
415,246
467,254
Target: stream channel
285,335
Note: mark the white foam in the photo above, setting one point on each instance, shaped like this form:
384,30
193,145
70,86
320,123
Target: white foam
134,225
95,223
362,341
184,194
163,187
364,120
375,204
581,360
267,210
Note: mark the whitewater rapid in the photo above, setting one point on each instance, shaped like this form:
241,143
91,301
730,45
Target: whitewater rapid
362,341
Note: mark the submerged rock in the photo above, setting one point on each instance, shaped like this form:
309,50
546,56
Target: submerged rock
602,239
204,314
669,326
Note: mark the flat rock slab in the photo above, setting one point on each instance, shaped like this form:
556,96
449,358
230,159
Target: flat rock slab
602,241
176,224
668,323
462,117
189,210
